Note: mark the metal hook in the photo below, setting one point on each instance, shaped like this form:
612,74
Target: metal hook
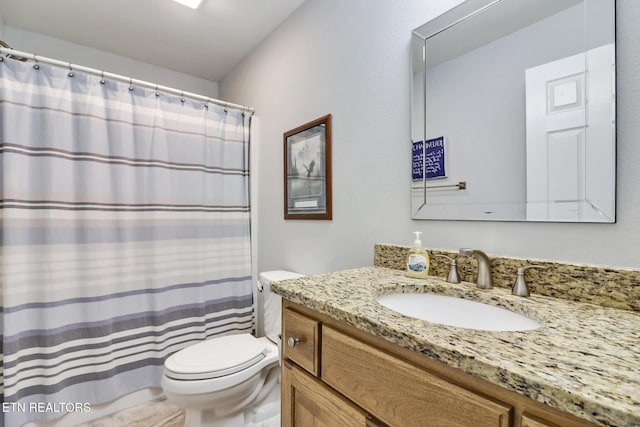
182,97
70,73
102,81
130,83
157,91
36,66
206,104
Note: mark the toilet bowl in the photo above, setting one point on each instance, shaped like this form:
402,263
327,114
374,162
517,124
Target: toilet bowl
233,380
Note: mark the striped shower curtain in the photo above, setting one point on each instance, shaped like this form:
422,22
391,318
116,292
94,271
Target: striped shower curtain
125,235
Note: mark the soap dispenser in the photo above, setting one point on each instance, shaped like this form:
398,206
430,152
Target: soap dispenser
418,259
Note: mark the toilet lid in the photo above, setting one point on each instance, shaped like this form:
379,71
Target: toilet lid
216,357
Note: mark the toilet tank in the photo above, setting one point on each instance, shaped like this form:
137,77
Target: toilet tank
272,303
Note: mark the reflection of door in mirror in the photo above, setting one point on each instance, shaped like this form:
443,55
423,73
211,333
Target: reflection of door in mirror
569,164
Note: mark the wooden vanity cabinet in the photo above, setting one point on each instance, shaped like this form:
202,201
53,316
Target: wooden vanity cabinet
335,375
307,401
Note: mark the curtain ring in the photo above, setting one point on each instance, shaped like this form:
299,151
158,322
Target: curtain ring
102,81
130,84
157,91
182,97
36,66
70,73
206,104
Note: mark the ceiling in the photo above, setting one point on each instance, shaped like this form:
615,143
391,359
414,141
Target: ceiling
207,42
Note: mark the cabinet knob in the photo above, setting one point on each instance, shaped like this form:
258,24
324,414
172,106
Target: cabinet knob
291,342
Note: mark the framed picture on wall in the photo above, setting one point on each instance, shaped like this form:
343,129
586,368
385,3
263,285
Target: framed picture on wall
307,170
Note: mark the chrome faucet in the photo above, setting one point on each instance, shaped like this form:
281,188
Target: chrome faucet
485,281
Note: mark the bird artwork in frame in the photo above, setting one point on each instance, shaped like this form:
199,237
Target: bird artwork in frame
307,170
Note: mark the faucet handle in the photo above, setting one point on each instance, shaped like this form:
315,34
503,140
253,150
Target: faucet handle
520,287
453,276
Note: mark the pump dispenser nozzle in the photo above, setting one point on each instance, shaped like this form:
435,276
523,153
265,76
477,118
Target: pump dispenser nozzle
417,243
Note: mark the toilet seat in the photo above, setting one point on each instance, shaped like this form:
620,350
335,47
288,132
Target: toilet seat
206,384
216,358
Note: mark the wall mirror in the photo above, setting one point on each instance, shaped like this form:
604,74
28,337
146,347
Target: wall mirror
514,111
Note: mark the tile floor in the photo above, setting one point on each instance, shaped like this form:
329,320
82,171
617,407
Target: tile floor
152,414
166,414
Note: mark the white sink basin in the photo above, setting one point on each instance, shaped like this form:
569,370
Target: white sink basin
457,312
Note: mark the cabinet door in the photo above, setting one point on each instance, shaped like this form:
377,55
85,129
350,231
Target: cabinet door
399,393
307,402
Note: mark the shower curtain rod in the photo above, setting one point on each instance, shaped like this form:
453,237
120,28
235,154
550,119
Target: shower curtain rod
124,79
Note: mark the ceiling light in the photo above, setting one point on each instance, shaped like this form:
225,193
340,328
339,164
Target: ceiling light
193,4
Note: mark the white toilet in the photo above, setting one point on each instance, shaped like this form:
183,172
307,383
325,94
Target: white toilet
231,381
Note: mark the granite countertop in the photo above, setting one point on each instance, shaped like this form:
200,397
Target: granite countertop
584,359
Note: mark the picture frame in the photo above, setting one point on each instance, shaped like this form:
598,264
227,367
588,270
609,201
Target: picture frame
428,158
307,170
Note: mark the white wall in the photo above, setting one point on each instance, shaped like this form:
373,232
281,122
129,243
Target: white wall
351,59
82,55
2,26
